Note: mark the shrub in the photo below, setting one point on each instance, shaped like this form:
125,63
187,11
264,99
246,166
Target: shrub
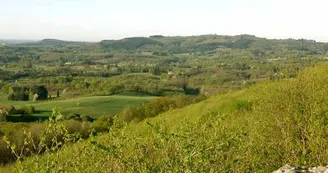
127,114
157,106
116,89
3,117
8,109
26,110
77,128
87,118
5,111
73,116
5,154
102,123
242,105
18,93
36,128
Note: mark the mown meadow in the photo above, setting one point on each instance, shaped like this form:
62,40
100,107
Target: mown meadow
93,106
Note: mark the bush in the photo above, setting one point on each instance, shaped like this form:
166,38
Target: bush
26,110
78,128
3,117
127,114
87,118
242,105
116,89
5,154
157,106
78,117
8,109
39,137
73,116
3,114
102,123
18,94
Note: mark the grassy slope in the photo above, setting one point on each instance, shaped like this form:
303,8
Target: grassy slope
174,120
254,130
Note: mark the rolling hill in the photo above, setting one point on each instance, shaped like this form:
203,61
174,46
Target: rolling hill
202,43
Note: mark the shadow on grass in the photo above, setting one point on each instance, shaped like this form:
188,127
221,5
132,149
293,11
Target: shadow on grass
42,111
38,116
133,94
26,119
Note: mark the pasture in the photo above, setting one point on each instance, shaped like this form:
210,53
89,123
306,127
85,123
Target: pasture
93,106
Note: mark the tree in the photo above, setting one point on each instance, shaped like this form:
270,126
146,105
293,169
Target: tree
18,93
26,110
28,65
41,91
6,88
155,70
116,89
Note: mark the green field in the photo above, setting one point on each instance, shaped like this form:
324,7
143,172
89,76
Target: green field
93,106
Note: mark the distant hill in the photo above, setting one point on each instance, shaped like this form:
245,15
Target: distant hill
52,42
210,43
129,43
194,44
55,42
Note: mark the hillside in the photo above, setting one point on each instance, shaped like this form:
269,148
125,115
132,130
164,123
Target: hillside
209,43
51,42
201,43
254,130
128,43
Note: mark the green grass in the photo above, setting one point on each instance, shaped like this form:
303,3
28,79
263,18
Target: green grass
93,106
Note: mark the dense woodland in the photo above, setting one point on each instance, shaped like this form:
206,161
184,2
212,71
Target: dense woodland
227,92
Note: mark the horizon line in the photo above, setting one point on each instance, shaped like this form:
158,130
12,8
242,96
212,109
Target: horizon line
96,41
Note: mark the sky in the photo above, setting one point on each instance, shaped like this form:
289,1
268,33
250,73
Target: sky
95,20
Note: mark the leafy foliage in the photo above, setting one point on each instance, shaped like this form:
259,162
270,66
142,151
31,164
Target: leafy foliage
156,106
41,91
19,93
26,110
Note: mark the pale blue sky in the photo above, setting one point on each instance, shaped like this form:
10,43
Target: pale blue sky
95,20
